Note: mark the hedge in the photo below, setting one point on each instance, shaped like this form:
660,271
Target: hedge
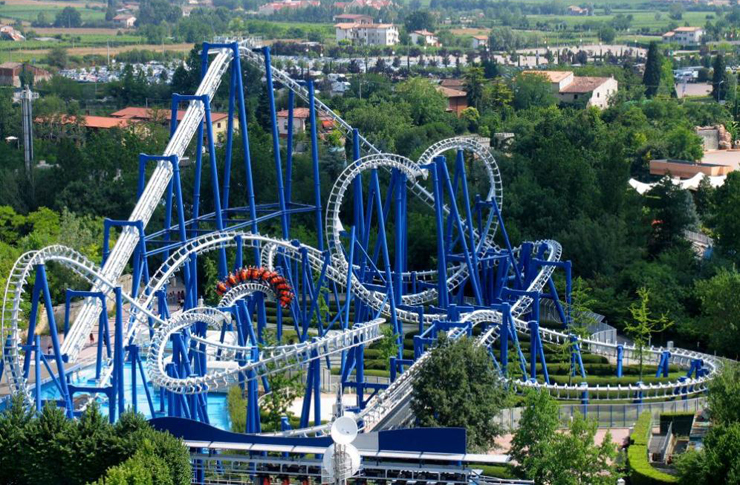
641,472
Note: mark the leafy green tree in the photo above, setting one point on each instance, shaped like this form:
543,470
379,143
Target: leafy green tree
653,70
570,457
531,90
726,217
387,346
672,212
426,103
68,17
575,459
717,461
285,387
684,144
458,387
724,395
57,57
644,325
607,33
720,310
474,83
419,20
533,437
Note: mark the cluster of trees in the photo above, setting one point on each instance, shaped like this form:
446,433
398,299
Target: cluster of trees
716,461
459,387
49,448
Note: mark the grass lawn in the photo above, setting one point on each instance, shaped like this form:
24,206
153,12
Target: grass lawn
30,12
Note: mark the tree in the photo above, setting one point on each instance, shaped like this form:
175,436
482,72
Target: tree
643,325
676,11
537,427
532,90
672,212
717,461
720,85
724,395
653,70
720,310
68,17
607,33
474,82
458,387
498,95
571,457
575,459
726,217
684,144
57,57
419,20
387,346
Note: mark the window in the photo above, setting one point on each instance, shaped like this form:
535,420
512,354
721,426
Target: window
575,96
218,125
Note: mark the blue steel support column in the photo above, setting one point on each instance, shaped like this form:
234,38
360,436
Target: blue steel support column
276,142
229,135
37,371
400,242
222,266
443,299
41,274
504,338
620,358
243,128
118,351
289,148
460,162
315,163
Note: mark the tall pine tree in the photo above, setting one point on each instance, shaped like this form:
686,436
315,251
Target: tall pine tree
653,66
719,79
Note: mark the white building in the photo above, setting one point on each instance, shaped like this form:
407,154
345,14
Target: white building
423,37
597,91
125,20
367,34
684,36
479,41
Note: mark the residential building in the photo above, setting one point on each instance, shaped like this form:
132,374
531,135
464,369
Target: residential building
219,121
271,8
353,18
453,83
597,91
424,37
576,10
8,32
300,121
684,36
479,41
457,100
125,20
10,73
367,34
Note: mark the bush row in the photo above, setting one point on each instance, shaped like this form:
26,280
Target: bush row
641,472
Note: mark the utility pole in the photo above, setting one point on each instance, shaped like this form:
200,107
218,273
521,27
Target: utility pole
27,121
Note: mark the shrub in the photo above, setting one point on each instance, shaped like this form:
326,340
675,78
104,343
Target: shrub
49,448
641,472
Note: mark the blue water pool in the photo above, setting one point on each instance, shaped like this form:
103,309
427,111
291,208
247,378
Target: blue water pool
218,412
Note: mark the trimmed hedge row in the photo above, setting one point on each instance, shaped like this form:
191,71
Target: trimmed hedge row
641,472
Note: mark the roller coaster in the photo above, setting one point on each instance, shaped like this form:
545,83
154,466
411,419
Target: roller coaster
480,288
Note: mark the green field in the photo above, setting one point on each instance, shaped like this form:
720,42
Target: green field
29,13
641,19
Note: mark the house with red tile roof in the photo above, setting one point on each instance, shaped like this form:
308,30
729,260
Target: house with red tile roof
597,91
